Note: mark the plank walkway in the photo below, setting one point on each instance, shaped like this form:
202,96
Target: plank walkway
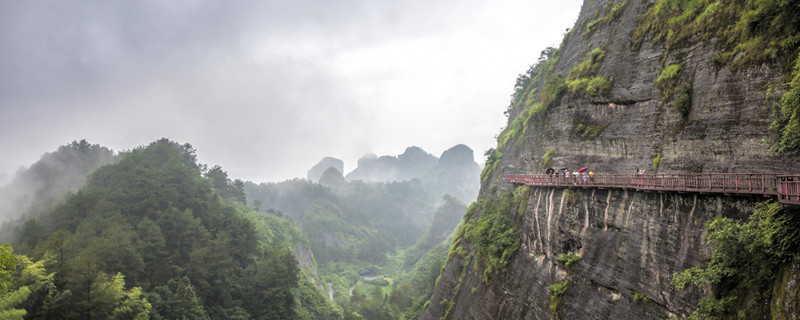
784,187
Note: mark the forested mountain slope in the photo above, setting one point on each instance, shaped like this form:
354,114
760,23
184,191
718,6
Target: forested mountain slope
151,236
360,232
48,181
671,86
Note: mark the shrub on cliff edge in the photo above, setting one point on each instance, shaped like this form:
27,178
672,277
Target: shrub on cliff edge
744,258
494,234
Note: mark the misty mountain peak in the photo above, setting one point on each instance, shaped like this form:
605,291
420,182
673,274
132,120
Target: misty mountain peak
455,173
416,154
315,173
366,159
457,154
332,177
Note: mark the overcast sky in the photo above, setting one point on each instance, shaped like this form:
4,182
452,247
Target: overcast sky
265,88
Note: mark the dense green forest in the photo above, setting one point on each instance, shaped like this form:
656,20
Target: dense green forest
152,234
152,237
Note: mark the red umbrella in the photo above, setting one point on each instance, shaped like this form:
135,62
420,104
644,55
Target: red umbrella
583,169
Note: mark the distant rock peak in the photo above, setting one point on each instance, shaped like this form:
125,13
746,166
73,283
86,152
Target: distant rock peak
315,173
458,154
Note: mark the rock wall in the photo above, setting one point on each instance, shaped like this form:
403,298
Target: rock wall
724,131
631,243
786,293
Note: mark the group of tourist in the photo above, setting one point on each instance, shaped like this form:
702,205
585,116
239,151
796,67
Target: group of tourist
583,176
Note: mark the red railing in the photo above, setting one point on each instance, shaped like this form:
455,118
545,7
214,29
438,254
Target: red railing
789,189
785,187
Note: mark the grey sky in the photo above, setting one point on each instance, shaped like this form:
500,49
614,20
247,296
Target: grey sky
265,88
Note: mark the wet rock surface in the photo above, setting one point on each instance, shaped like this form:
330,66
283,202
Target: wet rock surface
630,244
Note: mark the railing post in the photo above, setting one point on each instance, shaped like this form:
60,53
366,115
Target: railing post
725,182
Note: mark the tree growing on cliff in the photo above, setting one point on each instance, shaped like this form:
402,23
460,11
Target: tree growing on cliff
786,127
745,255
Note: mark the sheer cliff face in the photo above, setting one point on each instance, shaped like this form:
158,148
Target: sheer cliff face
631,125
630,243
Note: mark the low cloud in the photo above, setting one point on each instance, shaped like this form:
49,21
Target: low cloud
264,88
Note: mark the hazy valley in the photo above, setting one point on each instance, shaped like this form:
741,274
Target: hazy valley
673,126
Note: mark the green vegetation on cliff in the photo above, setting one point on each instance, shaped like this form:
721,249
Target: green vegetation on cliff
556,294
744,260
528,101
494,233
585,128
682,103
751,33
569,259
668,79
488,238
532,77
786,127
612,14
492,160
547,159
583,78
680,94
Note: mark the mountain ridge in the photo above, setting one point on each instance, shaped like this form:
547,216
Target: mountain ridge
455,172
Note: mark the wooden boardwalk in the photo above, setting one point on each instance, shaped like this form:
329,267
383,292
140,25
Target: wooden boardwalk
784,187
